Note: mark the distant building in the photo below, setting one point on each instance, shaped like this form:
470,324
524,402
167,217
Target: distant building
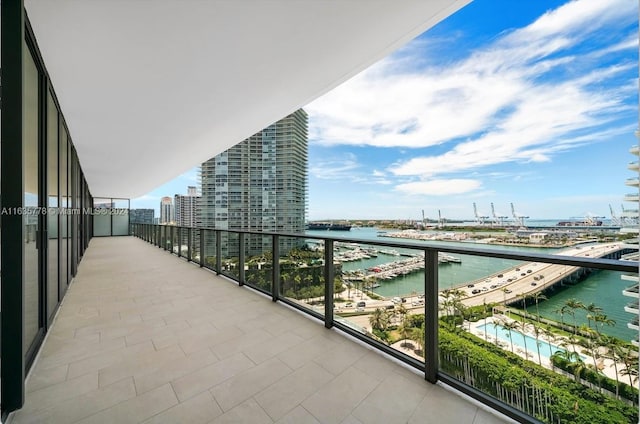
166,211
260,184
187,208
142,216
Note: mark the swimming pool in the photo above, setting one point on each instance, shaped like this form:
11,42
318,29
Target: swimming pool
521,341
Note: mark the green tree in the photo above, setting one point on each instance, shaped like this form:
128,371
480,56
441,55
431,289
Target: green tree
379,319
417,335
573,305
592,311
510,326
537,298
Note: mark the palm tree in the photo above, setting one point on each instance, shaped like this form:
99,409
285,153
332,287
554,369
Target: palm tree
522,329
592,311
631,371
484,308
603,320
510,326
379,320
574,304
537,331
402,312
417,335
630,362
495,327
524,298
592,349
561,311
575,364
551,337
537,297
611,344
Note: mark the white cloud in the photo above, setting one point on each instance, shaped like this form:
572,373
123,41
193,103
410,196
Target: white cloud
439,187
335,168
522,98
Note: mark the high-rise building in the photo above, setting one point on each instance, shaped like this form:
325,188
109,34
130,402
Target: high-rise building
260,184
186,208
629,223
142,216
166,211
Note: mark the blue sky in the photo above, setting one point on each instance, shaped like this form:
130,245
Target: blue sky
530,102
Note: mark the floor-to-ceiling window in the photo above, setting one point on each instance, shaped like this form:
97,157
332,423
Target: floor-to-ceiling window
53,215
62,201
30,211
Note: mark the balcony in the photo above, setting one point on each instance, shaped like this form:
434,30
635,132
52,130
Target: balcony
634,324
632,307
631,291
145,336
631,197
632,182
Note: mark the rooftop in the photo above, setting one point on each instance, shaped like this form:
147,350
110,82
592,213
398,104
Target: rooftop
143,336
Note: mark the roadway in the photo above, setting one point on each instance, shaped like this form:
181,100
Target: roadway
528,278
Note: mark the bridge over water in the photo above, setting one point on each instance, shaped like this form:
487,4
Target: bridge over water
532,277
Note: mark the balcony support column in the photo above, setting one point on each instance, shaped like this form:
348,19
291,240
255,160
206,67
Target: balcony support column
431,315
179,237
189,243
12,187
275,263
202,237
329,276
241,260
218,252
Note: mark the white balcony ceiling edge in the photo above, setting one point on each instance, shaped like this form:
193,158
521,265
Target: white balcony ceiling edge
151,89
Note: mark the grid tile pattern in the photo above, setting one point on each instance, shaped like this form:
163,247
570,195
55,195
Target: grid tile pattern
143,337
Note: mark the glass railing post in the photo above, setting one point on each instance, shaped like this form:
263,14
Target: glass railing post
275,277
189,241
241,259
179,237
218,252
203,235
329,283
431,315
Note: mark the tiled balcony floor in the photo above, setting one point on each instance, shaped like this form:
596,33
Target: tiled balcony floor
145,337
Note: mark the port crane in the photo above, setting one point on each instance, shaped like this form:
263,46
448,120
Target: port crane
441,220
497,219
614,219
517,217
480,219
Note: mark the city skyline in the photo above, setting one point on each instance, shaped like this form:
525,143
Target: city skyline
537,108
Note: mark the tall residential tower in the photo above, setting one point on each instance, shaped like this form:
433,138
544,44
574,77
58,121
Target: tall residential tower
186,208
166,210
260,184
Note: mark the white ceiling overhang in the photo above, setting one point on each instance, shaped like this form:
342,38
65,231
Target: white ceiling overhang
150,89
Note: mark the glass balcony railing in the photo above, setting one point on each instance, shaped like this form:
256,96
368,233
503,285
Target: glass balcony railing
499,325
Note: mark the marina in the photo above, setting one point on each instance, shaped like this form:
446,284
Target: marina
602,288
